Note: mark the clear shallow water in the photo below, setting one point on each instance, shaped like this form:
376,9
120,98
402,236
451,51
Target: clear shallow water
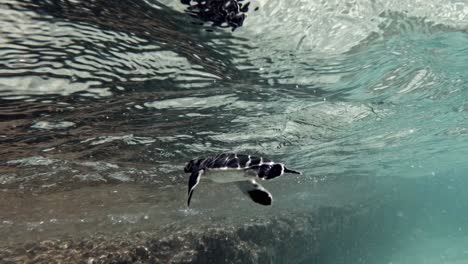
368,99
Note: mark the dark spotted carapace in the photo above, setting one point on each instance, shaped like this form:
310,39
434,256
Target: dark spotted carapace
266,168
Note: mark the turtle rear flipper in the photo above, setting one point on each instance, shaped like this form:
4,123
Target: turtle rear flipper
194,180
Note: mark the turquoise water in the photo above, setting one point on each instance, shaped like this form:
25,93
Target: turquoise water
100,110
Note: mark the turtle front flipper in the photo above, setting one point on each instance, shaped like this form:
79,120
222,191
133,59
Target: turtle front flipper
256,192
193,182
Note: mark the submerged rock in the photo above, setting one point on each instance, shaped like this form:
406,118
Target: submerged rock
287,238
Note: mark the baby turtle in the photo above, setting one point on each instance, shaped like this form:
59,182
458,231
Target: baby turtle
232,167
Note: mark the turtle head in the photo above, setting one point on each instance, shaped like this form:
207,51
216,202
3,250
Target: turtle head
286,170
190,166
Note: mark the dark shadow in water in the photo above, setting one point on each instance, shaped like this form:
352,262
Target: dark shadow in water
221,13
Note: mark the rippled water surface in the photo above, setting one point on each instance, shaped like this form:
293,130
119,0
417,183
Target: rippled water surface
102,102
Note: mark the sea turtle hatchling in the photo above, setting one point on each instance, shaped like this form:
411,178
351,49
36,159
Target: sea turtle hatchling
240,168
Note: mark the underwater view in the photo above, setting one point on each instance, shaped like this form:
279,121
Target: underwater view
103,103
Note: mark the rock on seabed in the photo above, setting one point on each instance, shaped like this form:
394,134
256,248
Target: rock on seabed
286,238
